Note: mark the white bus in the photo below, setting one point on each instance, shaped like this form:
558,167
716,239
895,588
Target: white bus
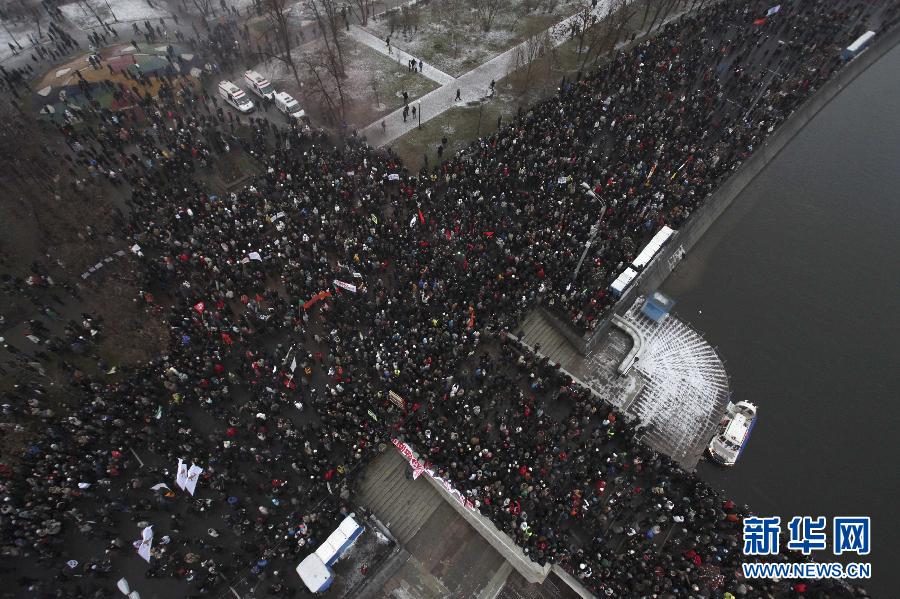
861,43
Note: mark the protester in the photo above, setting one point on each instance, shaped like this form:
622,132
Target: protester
298,302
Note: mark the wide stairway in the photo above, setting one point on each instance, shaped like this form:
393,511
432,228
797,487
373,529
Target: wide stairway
401,504
539,329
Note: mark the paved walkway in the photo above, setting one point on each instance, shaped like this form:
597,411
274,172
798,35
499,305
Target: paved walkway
473,86
429,71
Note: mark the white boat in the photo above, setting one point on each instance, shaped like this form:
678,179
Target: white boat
733,432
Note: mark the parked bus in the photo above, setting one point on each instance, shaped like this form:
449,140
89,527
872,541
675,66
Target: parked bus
861,43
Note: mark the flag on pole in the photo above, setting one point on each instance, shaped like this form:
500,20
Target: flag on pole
773,10
145,543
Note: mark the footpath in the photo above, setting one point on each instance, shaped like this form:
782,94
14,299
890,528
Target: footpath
473,86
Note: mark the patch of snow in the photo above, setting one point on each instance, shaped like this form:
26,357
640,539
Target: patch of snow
22,32
124,10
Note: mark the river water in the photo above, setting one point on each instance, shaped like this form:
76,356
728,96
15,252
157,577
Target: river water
798,286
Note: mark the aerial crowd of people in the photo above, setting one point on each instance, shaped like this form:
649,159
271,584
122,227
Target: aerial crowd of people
296,303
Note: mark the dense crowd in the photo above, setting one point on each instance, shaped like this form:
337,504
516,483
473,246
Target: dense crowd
276,379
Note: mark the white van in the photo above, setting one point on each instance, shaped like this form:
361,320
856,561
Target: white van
288,105
258,84
235,96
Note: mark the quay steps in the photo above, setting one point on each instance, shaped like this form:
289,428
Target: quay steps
402,505
538,329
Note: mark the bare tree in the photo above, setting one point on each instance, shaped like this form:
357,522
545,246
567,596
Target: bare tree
364,8
326,14
204,6
86,6
487,11
584,20
622,16
37,21
664,7
534,48
324,83
595,39
276,13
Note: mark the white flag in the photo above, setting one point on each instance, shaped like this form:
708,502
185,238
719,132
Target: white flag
123,586
254,256
143,546
193,476
293,364
412,222
773,10
181,477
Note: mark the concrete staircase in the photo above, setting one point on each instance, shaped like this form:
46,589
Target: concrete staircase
402,505
539,329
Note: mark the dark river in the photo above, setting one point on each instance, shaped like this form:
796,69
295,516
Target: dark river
798,285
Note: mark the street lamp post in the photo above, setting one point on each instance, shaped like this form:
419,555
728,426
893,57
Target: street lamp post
595,228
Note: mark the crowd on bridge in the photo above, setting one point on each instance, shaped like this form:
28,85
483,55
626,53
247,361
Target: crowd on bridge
335,276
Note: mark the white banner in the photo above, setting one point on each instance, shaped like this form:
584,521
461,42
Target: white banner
347,286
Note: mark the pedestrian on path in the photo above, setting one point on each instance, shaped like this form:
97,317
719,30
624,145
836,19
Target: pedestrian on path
383,127
458,97
388,42
405,112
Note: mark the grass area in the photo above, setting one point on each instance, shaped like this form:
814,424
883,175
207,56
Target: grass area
373,86
448,34
460,125
376,84
517,92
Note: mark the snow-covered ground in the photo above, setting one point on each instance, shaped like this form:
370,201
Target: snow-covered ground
124,10
19,32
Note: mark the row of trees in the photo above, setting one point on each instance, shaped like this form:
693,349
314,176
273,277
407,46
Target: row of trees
323,68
